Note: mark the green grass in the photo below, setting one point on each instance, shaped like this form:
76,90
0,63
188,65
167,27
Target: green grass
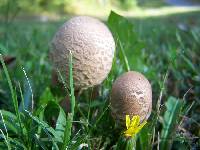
164,48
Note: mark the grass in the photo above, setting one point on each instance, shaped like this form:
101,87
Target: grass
156,46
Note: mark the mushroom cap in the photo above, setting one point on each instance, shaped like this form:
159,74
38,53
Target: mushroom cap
92,47
131,95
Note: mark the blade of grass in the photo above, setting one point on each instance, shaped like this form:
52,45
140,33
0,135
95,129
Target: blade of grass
127,67
89,109
4,124
81,112
63,81
148,134
161,93
102,114
13,94
5,137
47,129
43,124
44,99
21,95
190,64
67,133
72,97
32,101
9,118
40,143
17,143
6,140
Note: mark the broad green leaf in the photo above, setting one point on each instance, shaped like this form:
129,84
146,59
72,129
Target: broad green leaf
61,123
171,117
46,96
47,129
145,137
26,97
127,42
54,110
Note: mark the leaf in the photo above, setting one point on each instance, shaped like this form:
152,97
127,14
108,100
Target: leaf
9,118
49,109
145,137
26,98
47,129
17,144
46,97
61,123
126,143
53,109
43,101
67,133
127,41
171,117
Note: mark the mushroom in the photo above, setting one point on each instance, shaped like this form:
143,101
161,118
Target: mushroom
92,47
131,95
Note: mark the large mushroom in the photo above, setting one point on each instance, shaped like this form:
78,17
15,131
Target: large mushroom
92,47
131,95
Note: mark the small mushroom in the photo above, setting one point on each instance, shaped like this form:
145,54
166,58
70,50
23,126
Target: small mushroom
92,47
131,95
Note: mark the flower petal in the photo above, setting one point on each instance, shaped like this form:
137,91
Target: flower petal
133,126
130,132
135,121
140,127
128,121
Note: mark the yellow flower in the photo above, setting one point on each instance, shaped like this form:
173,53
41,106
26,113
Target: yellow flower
133,125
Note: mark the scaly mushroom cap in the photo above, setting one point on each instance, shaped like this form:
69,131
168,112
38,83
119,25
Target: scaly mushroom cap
92,46
131,95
